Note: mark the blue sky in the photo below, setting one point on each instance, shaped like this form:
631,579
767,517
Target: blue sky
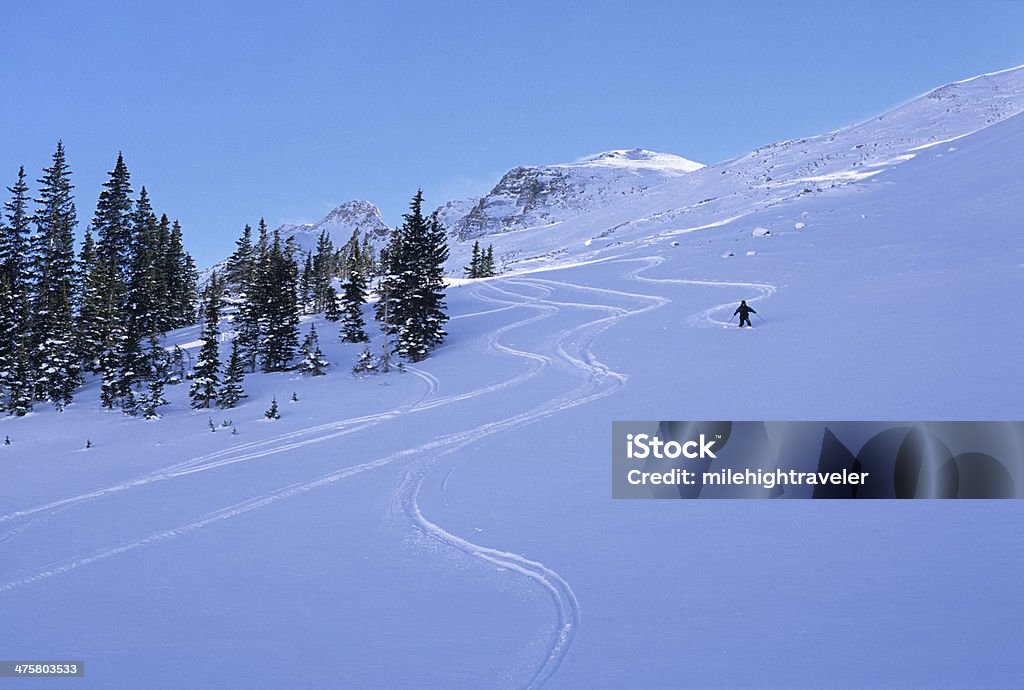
230,111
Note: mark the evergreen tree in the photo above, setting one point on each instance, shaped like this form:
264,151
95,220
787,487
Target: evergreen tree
20,384
231,390
417,284
322,273
332,312
306,287
15,285
114,224
15,234
366,362
241,264
313,361
90,321
146,306
280,317
182,280
205,378
253,307
487,266
353,327
473,270
272,413
153,400
53,359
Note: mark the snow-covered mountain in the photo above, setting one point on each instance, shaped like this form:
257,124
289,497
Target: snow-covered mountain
566,212
528,197
340,224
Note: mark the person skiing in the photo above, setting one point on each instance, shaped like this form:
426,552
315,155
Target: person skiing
744,311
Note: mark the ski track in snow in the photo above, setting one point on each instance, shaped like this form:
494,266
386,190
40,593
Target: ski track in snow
251,450
572,347
704,318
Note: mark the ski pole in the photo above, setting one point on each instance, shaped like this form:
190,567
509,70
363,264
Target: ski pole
759,316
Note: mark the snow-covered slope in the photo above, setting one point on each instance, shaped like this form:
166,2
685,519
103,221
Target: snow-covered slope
452,526
624,210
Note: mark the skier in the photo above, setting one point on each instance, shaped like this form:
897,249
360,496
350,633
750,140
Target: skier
744,311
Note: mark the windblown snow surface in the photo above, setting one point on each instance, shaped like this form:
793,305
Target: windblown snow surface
452,525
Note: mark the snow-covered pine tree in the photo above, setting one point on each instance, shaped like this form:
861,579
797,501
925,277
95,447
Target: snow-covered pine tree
473,270
89,322
54,363
205,378
322,273
231,390
241,265
332,310
313,361
353,297
272,413
15,285
306,286
419,302
113,224
280,317
251,309
146,307
391,265
366,363
153,399
15,234
20,384
487,265
183,279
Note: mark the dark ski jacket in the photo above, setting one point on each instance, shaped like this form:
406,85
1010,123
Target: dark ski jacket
744,311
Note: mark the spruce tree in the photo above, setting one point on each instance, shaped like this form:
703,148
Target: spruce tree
231,390
280,317
473,270
15,234
322,273
353,327
20,384
332,311
488,270
252,307
114,224
53,358
15,284
183,279
417,284
241,264
205,378
306,287
90,321
313,361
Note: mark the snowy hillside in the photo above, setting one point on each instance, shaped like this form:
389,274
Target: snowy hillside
583,220
452,525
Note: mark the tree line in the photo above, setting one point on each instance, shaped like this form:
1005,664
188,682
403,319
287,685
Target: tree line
106,311
100,312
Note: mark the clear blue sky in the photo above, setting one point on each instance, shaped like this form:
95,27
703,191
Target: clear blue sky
230,111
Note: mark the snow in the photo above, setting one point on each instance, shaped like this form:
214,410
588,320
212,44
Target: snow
452,526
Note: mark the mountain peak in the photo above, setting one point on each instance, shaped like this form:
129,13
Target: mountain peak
641,158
